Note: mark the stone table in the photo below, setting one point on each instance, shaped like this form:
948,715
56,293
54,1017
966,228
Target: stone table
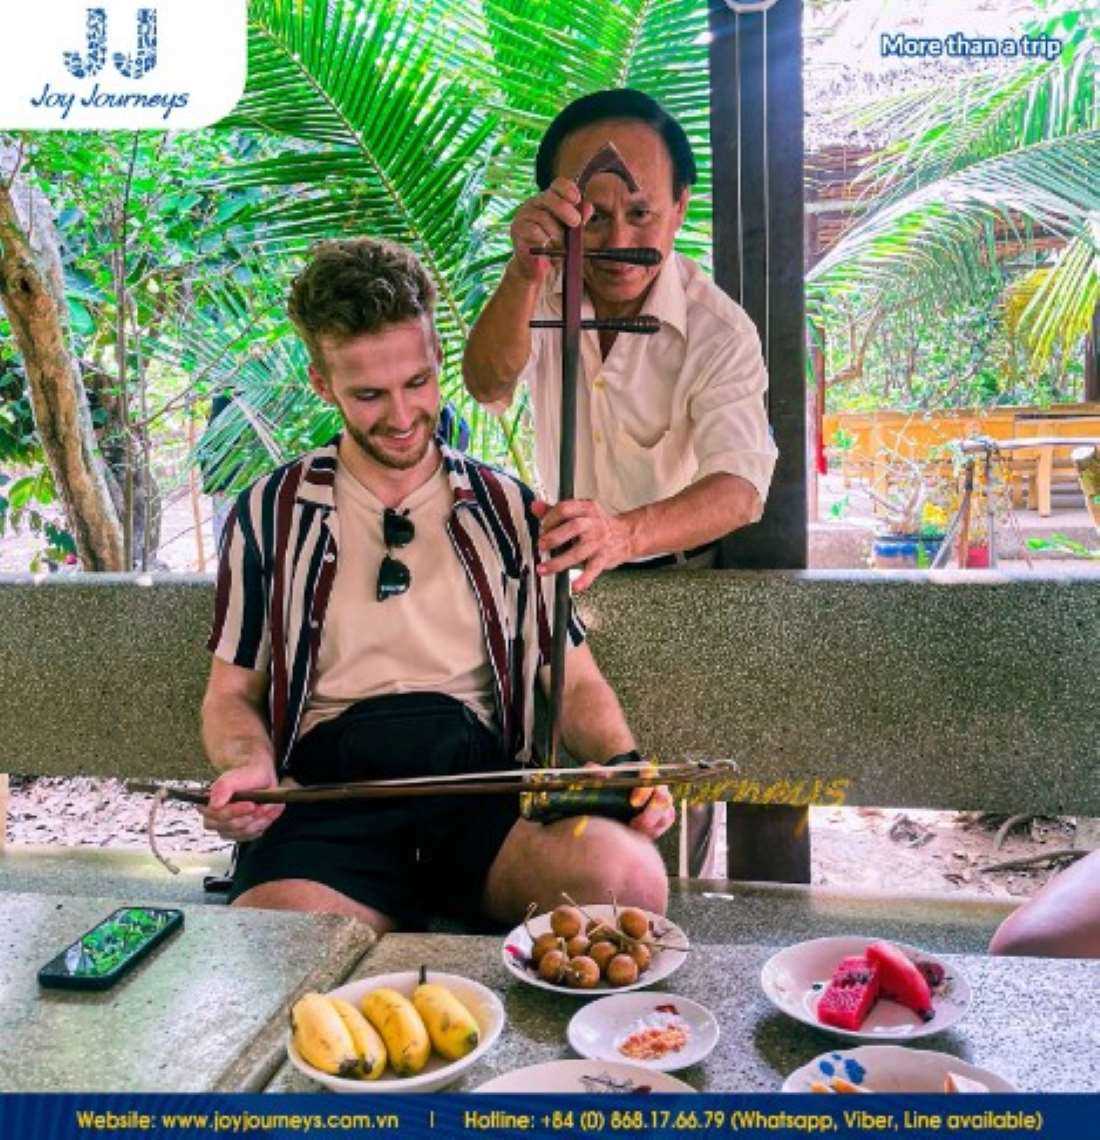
1034,1021
205,1012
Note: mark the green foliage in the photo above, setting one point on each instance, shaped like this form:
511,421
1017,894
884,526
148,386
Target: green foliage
419,122
20,500
979,170
1061,544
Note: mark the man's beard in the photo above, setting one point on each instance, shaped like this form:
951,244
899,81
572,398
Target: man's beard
401,462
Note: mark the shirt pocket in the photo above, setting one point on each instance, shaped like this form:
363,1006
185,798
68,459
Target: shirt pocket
642,473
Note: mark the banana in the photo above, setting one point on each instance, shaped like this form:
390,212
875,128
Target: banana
369,1046
402,1029
451,1026
322,1038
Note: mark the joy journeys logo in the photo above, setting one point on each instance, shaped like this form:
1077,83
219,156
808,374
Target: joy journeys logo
118,65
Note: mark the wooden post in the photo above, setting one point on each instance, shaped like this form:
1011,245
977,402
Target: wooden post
1092,359
1087,462
756,138
758,245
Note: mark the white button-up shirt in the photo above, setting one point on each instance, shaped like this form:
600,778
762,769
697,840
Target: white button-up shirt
662,411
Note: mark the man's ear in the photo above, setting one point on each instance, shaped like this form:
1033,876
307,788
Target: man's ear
319,384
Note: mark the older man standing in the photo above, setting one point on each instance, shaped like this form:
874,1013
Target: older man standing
673,445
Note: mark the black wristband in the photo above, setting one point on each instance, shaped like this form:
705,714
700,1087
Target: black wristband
631,757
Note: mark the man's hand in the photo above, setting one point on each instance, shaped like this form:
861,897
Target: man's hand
241,821
582,533
659,814
541,220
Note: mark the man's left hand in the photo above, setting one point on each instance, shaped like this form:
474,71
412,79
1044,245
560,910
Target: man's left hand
583,534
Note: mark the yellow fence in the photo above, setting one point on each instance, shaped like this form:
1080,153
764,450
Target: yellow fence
880,438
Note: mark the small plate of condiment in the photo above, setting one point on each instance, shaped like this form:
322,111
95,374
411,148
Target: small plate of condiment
658,1031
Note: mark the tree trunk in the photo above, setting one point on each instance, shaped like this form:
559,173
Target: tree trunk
33,295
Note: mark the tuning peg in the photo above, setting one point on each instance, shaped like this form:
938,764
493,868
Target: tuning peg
646,325
641,255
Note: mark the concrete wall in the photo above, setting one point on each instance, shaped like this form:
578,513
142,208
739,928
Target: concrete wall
974,690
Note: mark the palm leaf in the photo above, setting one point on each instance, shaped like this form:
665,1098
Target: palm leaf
547,53
943,129
932,240
380,139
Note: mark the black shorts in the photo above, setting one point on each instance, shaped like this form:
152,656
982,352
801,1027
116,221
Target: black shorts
407,858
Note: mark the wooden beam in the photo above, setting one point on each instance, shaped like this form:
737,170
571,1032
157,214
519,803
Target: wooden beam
756,136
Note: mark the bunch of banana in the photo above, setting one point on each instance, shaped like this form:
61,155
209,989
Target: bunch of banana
333,1036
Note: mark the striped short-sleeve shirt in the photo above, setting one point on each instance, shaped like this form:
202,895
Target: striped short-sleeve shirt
278,560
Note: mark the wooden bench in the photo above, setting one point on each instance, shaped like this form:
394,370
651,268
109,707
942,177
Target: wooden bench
970,691
1053,464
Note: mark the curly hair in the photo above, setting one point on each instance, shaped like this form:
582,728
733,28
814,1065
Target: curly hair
357,286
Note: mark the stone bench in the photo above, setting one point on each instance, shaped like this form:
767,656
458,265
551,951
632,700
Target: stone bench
963,691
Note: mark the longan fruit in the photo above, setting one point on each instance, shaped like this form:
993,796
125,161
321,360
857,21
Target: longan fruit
566,921
622,970
599,928
633,922
601,953
544,942
552,966
582,973
577,947
641,955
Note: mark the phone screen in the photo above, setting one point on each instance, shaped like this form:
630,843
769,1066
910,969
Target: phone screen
117,938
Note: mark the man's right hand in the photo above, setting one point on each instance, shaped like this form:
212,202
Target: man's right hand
541,220
241,821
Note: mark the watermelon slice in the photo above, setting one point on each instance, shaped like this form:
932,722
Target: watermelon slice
900,980
850,994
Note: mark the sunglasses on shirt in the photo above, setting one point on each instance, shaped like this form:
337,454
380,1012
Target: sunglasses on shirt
393,575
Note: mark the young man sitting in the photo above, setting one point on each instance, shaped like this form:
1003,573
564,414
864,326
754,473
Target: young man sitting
378,615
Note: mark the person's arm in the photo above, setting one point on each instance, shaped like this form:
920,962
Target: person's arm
499,344
237,742
706,510
594,730
1061,921
735,455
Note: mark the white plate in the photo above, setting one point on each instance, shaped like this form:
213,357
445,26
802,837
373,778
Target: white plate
891,1069
597,1030
438,1073
584,1077
796,977
662,963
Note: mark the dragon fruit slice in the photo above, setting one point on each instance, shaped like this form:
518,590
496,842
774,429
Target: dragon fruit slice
900,980
850,994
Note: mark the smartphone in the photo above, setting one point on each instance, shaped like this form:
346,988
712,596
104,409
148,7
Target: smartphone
110,949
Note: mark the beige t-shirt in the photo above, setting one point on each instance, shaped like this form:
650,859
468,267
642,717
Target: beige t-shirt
428,639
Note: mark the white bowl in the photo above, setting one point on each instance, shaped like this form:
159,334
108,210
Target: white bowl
795,978
891,1069
597,1030
662,962
438,1073
584,1077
